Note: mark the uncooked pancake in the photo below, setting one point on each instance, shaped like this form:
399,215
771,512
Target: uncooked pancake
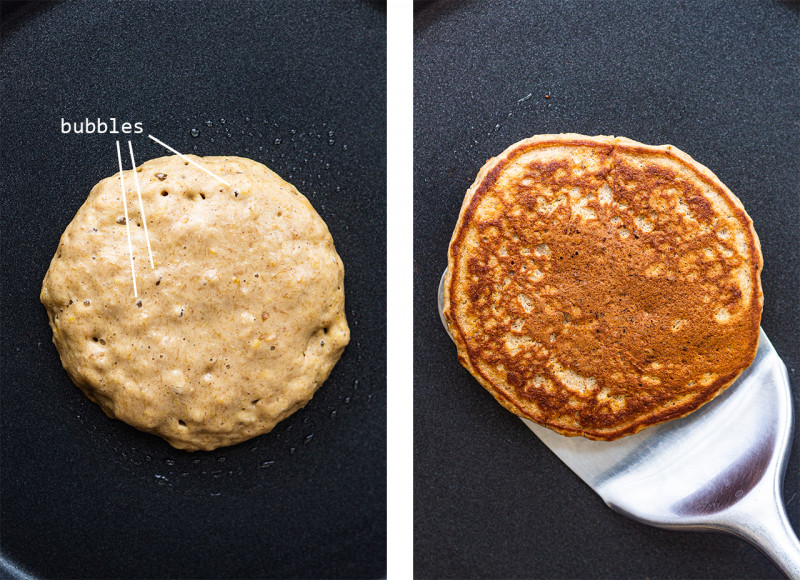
597,286
238,323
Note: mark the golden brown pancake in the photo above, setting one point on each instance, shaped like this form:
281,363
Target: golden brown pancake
598,286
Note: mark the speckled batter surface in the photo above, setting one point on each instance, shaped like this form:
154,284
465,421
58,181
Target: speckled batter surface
235,326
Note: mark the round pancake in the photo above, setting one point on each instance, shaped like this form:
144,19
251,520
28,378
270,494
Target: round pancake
237,325
598,286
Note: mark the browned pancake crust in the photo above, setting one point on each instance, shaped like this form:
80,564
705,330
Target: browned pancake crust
598,286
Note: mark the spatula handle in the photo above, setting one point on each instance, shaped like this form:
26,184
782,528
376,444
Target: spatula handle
765,525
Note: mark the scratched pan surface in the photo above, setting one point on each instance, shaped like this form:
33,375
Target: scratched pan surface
720,82
301,88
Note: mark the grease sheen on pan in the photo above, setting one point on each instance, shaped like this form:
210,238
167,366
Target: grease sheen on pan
236,327
598,286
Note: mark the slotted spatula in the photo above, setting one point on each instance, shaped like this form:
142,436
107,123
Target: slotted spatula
720,468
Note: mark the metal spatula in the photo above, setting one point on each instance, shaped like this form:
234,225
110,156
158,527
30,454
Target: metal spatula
720,468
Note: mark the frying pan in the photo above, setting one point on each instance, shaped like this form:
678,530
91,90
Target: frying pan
719,81
299,86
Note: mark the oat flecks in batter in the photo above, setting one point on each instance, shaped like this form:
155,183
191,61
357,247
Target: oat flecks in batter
224,338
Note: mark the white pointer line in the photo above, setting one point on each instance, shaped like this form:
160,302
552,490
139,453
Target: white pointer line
141,207
127,222
189,160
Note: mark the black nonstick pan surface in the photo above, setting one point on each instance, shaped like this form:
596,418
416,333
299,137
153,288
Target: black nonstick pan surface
719,80
299,86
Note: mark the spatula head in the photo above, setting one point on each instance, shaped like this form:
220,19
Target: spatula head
686,472
683,472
